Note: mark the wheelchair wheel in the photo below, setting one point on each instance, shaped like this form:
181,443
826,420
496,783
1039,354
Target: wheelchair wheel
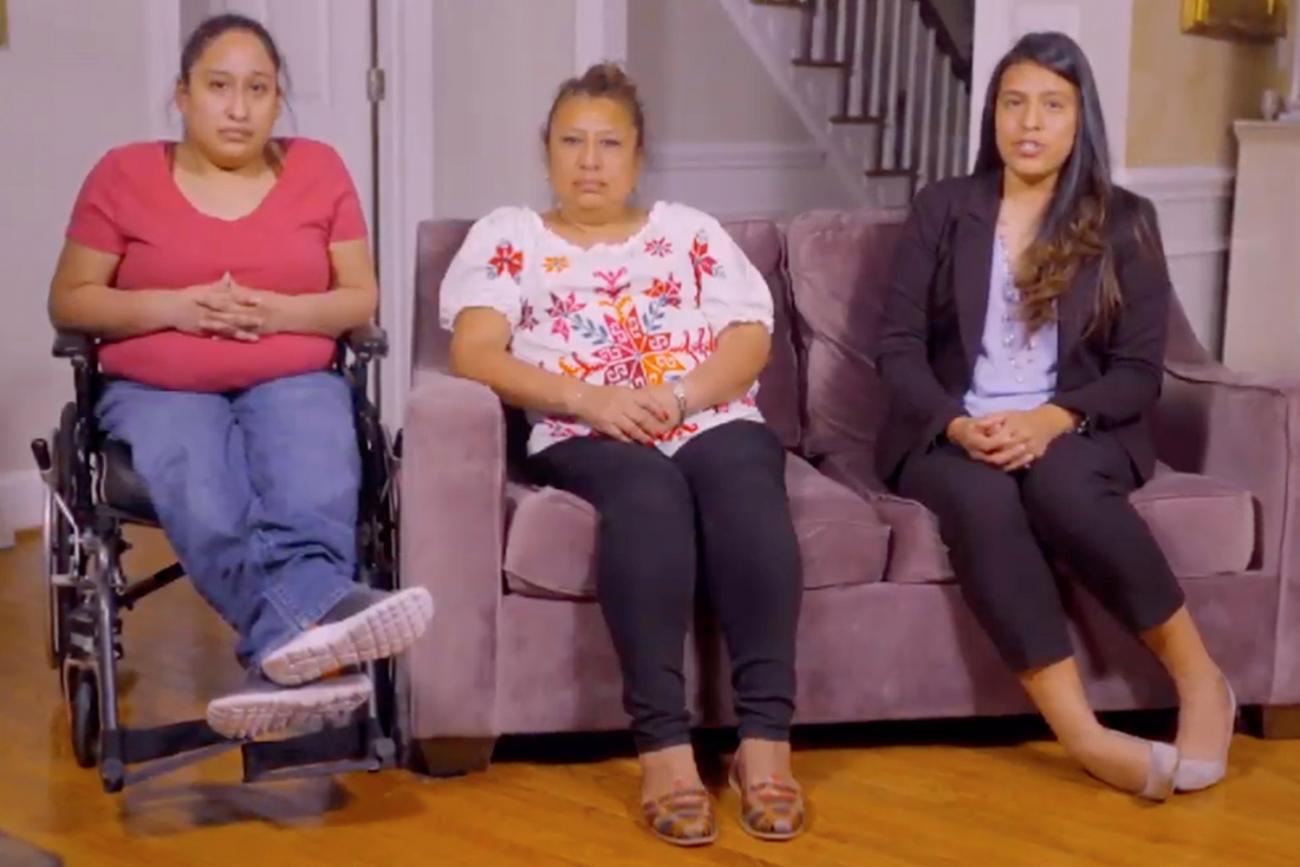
83,698
57,542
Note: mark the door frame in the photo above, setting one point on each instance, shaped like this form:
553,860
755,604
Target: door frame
405,171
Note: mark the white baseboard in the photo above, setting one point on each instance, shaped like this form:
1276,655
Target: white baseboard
21,500
728,179
1194,204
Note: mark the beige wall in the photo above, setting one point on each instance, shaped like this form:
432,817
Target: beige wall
497,66
699,80
72,85
1185,91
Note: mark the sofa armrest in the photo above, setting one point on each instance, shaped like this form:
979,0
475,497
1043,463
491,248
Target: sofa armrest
452,531
1245,428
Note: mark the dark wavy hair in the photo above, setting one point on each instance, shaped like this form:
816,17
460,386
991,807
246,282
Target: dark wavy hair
1073,230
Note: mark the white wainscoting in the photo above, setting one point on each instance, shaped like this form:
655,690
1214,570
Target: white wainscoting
1194,204
728,179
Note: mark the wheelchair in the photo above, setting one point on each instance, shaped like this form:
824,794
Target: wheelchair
92,493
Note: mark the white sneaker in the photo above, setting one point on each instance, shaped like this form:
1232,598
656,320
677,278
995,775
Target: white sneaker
261,708
366,625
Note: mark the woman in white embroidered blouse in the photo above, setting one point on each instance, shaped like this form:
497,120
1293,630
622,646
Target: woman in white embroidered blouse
634,340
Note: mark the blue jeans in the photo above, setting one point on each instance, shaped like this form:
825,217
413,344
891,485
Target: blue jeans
257,492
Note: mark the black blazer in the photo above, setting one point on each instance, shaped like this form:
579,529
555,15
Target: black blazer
933,322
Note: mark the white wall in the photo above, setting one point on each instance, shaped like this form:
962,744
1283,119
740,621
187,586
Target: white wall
72,84
497,64
721,135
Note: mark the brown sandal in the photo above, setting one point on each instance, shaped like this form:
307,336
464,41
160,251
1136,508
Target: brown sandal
683,817
771,809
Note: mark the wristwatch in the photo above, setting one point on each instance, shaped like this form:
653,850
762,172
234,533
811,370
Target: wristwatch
679,392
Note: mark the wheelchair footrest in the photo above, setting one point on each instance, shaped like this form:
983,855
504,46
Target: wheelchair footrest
144,745
330,751
358,746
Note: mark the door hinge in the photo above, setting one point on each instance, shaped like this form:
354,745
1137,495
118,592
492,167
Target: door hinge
376,84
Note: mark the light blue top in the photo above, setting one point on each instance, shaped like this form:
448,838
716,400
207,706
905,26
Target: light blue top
1015,370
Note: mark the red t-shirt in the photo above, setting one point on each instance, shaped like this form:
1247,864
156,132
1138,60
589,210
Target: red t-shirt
130,206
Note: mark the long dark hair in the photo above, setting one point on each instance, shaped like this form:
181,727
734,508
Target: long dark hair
1073,231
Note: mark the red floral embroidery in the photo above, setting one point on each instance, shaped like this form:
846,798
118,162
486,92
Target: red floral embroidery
659,247
611,280
527,317
560,430
669,290
703,263
507,260
634,356
560,311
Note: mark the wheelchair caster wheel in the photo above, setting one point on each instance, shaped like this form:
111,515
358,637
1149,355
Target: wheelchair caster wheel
385,752
113,774
84,697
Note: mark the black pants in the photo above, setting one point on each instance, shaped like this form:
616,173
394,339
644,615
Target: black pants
1000,529
720,501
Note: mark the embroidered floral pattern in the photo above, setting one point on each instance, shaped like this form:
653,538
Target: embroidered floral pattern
506,260
560,311
612,282
619,315
660,248
669,291
527,317
703,263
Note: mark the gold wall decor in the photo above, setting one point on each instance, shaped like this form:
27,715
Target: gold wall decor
1248,20
4,23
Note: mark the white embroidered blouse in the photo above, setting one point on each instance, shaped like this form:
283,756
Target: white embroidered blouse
635,314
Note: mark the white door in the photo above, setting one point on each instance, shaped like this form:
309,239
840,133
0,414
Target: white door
326,49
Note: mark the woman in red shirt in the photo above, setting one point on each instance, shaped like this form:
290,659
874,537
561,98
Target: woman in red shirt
219,271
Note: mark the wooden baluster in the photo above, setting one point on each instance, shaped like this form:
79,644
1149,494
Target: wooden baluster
877,60
925,173
914,29
806,33
945,106
849,43
891,102
831,31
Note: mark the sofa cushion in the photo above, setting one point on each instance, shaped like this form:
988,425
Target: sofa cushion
551,537
778,385
839,270
1203,525
778,396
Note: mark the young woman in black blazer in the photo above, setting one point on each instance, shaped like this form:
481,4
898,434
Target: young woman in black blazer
1023,344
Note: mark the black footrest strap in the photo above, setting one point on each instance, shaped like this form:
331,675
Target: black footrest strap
345,744
144,745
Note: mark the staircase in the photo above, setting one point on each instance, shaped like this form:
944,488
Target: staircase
880,84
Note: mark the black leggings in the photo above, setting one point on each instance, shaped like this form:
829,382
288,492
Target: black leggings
720,500
1001,527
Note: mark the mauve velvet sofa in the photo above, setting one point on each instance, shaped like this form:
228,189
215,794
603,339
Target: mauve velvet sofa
518,644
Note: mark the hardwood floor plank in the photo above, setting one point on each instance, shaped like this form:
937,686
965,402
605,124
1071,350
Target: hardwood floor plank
958,793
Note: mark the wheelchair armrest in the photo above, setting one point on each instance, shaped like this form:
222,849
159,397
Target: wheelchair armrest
74,346
367,342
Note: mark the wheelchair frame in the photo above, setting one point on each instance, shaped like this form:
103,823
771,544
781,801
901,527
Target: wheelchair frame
87,589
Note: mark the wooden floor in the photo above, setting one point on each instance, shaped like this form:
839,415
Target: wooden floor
950,794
